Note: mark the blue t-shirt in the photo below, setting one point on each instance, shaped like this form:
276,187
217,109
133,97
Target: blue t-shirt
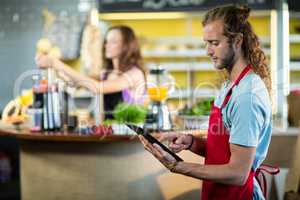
248,117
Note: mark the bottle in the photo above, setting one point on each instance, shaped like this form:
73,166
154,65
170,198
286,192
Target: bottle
44,90
50,109
63,103
56,107
36,111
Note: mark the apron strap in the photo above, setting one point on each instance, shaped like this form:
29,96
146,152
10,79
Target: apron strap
236,82
260,172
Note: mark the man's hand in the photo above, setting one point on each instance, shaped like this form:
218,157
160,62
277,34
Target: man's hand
177,141
164,157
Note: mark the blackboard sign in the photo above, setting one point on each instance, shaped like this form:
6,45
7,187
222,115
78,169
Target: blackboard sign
109,6
294,5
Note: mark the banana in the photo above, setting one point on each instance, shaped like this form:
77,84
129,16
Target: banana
12,109
14,112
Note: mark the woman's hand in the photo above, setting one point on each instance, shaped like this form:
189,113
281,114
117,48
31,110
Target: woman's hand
44,61
177,141
164,157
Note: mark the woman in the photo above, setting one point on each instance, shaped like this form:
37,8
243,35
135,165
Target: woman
124,76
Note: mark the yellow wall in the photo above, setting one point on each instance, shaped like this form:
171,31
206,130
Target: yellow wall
191,26
156,28
207,79
295,48
159,28
261,25
295,51
293,24
74,63
181,79
179,27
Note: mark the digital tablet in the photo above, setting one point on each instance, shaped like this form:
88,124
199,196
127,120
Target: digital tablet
152,140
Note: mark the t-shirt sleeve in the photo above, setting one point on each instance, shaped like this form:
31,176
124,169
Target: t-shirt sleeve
247,120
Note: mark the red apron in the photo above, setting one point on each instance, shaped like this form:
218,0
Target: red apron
218,152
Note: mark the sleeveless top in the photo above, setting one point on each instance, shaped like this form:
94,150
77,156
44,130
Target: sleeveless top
111,100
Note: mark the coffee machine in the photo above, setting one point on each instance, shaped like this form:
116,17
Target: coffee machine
159,85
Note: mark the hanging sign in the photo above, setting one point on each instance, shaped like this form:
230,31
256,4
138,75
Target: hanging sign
106,6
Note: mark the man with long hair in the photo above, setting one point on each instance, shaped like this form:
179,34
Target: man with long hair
240,122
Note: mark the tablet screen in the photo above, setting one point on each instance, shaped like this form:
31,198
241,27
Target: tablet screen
152,140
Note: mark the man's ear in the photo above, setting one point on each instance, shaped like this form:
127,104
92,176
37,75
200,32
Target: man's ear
238,41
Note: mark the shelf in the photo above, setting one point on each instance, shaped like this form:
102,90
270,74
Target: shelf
295,38
175,53
194,53
200,66
196,42
189,40
187,93
294,86
192,40
295,66
180,93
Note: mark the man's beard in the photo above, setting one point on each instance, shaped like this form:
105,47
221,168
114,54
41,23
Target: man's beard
228,61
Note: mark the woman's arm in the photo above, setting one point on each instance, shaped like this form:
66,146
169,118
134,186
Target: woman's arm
76,77
124,81
129,79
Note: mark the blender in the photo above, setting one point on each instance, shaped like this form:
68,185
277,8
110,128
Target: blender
159,85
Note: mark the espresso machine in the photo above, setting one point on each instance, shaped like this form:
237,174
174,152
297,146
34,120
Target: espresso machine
159,85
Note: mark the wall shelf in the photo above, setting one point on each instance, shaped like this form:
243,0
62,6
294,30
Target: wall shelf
192,40
265,40
183,66
194,53
200,66
177,94
187,93
294,86
175,53
295,66
295,38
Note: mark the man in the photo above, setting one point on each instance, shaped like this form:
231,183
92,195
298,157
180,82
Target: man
240,122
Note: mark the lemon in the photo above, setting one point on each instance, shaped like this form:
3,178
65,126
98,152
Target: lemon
55,52
43,45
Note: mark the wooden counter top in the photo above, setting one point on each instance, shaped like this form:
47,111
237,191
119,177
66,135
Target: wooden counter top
62,137
26,134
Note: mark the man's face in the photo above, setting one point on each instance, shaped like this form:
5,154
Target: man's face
217,46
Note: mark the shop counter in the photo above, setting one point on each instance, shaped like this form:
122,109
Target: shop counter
72,166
